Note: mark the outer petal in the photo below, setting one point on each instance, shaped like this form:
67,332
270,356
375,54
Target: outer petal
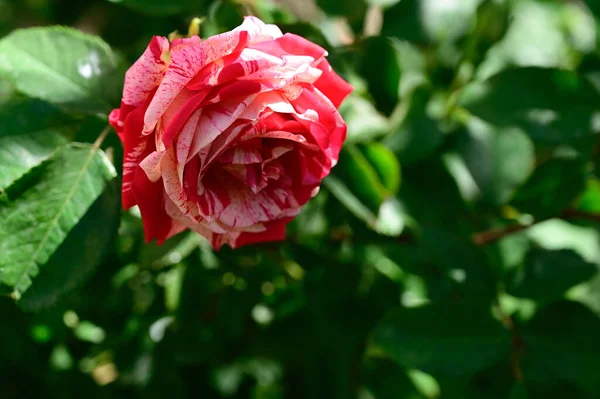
258,31
188,58
329,129
172,181
330,84
147,72
136,147
150,198
275,231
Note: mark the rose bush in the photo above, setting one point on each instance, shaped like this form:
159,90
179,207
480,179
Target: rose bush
229,136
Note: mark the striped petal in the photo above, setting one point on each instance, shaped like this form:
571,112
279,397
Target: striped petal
172,181
150,198
189,57
147,72
136,147
215,121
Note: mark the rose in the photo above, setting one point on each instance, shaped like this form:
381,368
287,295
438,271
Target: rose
229,136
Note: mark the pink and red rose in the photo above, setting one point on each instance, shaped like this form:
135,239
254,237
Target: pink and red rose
229,136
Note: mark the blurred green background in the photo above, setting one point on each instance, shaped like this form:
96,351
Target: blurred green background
453,253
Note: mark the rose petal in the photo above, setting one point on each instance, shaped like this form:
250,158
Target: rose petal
247,208
151,166
274,231
150,199
147,72
214,121
215,239
213,197
332,85
232,67
190,102
188,59
297,138
172,181
135,148
184,141
329,130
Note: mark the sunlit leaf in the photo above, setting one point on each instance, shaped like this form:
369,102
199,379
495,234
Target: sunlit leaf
40,213
30,131
499,159
62,66
550,105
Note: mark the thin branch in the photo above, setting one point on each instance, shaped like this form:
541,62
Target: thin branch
576,214
101,137
490,236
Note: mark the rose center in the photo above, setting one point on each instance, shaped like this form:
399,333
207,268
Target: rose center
256,162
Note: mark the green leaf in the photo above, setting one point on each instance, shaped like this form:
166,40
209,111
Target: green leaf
361,177
499,159
550,387
548,274
424,185
7,90
399,69
550,105
590,199
79,254
552,187
543,34
161,7
419,134
386,380
385,164
382,3
462,263
343,194
222,16
364,121
62,66
30,131
594,6
428,21
173,251
562,342
383,78
354,10
389,219
493,20
449,339
36,220
556,234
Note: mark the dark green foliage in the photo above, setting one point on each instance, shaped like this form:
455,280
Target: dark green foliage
453,253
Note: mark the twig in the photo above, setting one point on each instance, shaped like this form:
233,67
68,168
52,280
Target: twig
490,236
577,214
518,345
101,137
493,235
